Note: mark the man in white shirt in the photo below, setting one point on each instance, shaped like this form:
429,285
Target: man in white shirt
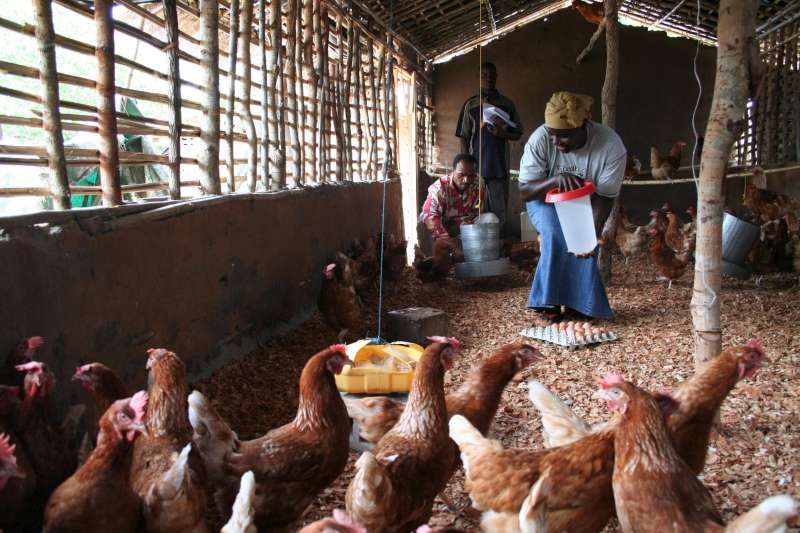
566,151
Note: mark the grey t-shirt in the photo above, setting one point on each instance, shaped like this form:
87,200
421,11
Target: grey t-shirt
601,160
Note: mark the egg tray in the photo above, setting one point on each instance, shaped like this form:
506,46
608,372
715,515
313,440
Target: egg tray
561,338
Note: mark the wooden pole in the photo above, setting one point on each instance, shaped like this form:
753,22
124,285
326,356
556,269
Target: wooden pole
59,183
596,35
372,155
357,82
321,68
106,116
233,49
387,104
609,114
348,115
209,132
736,36
291,83
275,102
245,39
265,90
314,44
174,107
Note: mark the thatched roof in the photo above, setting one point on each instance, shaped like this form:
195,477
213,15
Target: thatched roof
437,27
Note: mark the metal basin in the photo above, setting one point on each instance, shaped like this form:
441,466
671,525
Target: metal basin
738,237
481,242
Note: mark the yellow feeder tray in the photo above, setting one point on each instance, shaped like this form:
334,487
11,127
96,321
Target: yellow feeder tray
379,368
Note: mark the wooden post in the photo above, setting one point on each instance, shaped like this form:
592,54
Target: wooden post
348,126
314,44
275,100
174,106
233,49
245,39
51,117
300,69
338,109
321,68
388,126
208,158
735,35
291,77
106,116
372,155
609,114
359,133
265,90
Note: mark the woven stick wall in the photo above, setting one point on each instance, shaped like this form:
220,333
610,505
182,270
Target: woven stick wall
288,100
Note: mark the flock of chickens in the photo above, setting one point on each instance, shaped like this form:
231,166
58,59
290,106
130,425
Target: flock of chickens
159,455
672,242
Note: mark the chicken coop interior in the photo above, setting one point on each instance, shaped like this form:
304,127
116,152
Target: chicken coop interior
227,306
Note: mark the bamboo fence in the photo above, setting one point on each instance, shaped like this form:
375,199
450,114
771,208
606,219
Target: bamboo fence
314,104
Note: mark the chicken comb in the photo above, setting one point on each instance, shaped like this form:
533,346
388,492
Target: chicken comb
7,449
138,403
611,378
341,348
452,341
329,267
34,343
80,370
33,366
756,344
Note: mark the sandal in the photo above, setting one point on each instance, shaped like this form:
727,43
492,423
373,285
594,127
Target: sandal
549,316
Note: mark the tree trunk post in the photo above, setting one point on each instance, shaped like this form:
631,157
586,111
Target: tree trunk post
174,106
735,36
106,115
51,117
291,88
233,50
245,38
276,101
265,90
208,158
609,113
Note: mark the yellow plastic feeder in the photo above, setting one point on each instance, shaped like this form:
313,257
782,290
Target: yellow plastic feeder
379,368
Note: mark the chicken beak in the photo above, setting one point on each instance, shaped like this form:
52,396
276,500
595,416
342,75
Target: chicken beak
602,394
140,427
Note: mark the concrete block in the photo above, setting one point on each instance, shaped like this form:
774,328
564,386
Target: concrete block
416,324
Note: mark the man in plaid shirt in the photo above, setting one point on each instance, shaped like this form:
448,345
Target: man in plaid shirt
453,199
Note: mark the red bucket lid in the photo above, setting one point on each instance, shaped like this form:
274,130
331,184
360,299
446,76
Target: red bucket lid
554,196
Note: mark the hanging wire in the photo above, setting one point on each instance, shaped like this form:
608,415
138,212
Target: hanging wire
707,288
378,339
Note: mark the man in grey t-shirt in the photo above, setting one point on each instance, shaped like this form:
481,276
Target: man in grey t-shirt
566,151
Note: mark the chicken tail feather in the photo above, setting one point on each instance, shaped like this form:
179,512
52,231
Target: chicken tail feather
369,489
242,516
770,516
211,434
560,425
467,437
533,514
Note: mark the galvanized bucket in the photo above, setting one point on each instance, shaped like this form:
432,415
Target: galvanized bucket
738,237
481,242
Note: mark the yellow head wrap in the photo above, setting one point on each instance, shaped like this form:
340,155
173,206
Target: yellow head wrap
566,110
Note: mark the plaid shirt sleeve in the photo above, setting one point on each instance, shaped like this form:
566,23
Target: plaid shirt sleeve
433,210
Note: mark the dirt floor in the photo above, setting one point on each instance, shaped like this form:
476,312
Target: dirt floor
754,455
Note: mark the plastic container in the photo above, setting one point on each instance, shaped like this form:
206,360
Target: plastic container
481,242
574,210
738,238
379,368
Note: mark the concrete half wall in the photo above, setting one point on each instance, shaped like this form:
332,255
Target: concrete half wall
204,282
657,90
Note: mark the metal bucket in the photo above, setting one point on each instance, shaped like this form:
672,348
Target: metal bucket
481,242
738,237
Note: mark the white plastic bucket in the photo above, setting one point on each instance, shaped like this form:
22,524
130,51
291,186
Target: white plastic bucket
574,210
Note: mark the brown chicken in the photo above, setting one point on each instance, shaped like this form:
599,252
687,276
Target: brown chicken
98,497
168,478
501,480
667,263
292,463
102,384
477,398
673,236
658,220
436,267
50,442
629,238
665,167
339,523
365,265
593,13
24,352
339,303
690,232
395,259
756,200
395,484
654,489
632,164
17,477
